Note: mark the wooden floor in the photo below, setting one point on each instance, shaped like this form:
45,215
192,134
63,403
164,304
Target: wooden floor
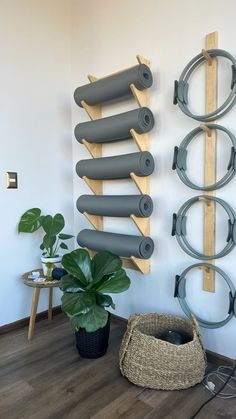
47,379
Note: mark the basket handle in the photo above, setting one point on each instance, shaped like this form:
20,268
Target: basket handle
132,322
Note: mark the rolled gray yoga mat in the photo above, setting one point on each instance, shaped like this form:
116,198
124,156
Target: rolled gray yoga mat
116,205
115,86
119,244
115,128
116,167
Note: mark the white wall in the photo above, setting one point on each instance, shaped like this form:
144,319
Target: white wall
35,132
106,36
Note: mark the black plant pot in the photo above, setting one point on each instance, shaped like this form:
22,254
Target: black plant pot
93,344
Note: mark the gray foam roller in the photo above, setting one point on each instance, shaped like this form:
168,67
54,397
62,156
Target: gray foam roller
117,167
115,128
115,86
119,244
116,205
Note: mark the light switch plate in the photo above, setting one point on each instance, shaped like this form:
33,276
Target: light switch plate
12,180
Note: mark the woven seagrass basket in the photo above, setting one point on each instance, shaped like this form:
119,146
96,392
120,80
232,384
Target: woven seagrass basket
153,363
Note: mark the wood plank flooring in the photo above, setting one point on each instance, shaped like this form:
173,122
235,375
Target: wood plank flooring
46,379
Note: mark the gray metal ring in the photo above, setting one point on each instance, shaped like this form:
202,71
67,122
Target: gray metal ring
181,87
180,292
179,228
180,159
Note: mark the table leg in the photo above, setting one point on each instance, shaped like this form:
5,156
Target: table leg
33,312
50,303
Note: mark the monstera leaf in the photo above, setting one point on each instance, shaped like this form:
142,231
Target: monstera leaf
53,225
30,221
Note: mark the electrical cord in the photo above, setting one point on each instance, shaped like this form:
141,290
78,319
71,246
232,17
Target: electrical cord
181,87
180,159
179,228
180,293
216,394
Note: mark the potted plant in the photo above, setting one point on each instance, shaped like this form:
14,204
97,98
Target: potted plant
85,297
53,240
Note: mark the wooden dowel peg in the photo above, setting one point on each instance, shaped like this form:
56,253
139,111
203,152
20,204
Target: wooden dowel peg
207,56
204,268
142,183
94,149
95,220
92,78
142,140
207,130
143,224
141,96
143,60
95,185
143,265
94,112
205,200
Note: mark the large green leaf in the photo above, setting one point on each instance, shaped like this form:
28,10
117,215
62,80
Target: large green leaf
30,221
78,263
77,303
70,283
104,300
53,225
63,236
91,321
119,282
105,263
49,241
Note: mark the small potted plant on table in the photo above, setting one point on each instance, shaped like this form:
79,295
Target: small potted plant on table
85,300
53,240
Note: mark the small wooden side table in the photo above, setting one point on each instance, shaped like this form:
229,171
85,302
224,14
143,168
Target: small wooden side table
37,286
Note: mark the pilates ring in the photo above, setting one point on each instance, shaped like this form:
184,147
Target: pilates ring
179,228
180,293
181,87
180,157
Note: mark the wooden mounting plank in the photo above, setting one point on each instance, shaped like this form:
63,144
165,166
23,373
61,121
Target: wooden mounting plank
210,159
142,183
143,224
94,112
142,140
94,149
141,96
95,220
95,185
143,60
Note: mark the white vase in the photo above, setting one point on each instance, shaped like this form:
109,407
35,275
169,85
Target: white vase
49,264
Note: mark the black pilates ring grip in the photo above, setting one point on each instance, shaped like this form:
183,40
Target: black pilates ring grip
116,128
180,293
180,159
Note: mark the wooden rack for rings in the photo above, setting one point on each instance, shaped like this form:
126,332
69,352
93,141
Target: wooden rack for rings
211,81
142,183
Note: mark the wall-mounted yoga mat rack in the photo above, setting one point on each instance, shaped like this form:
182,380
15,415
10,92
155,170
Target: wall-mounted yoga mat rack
134,125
